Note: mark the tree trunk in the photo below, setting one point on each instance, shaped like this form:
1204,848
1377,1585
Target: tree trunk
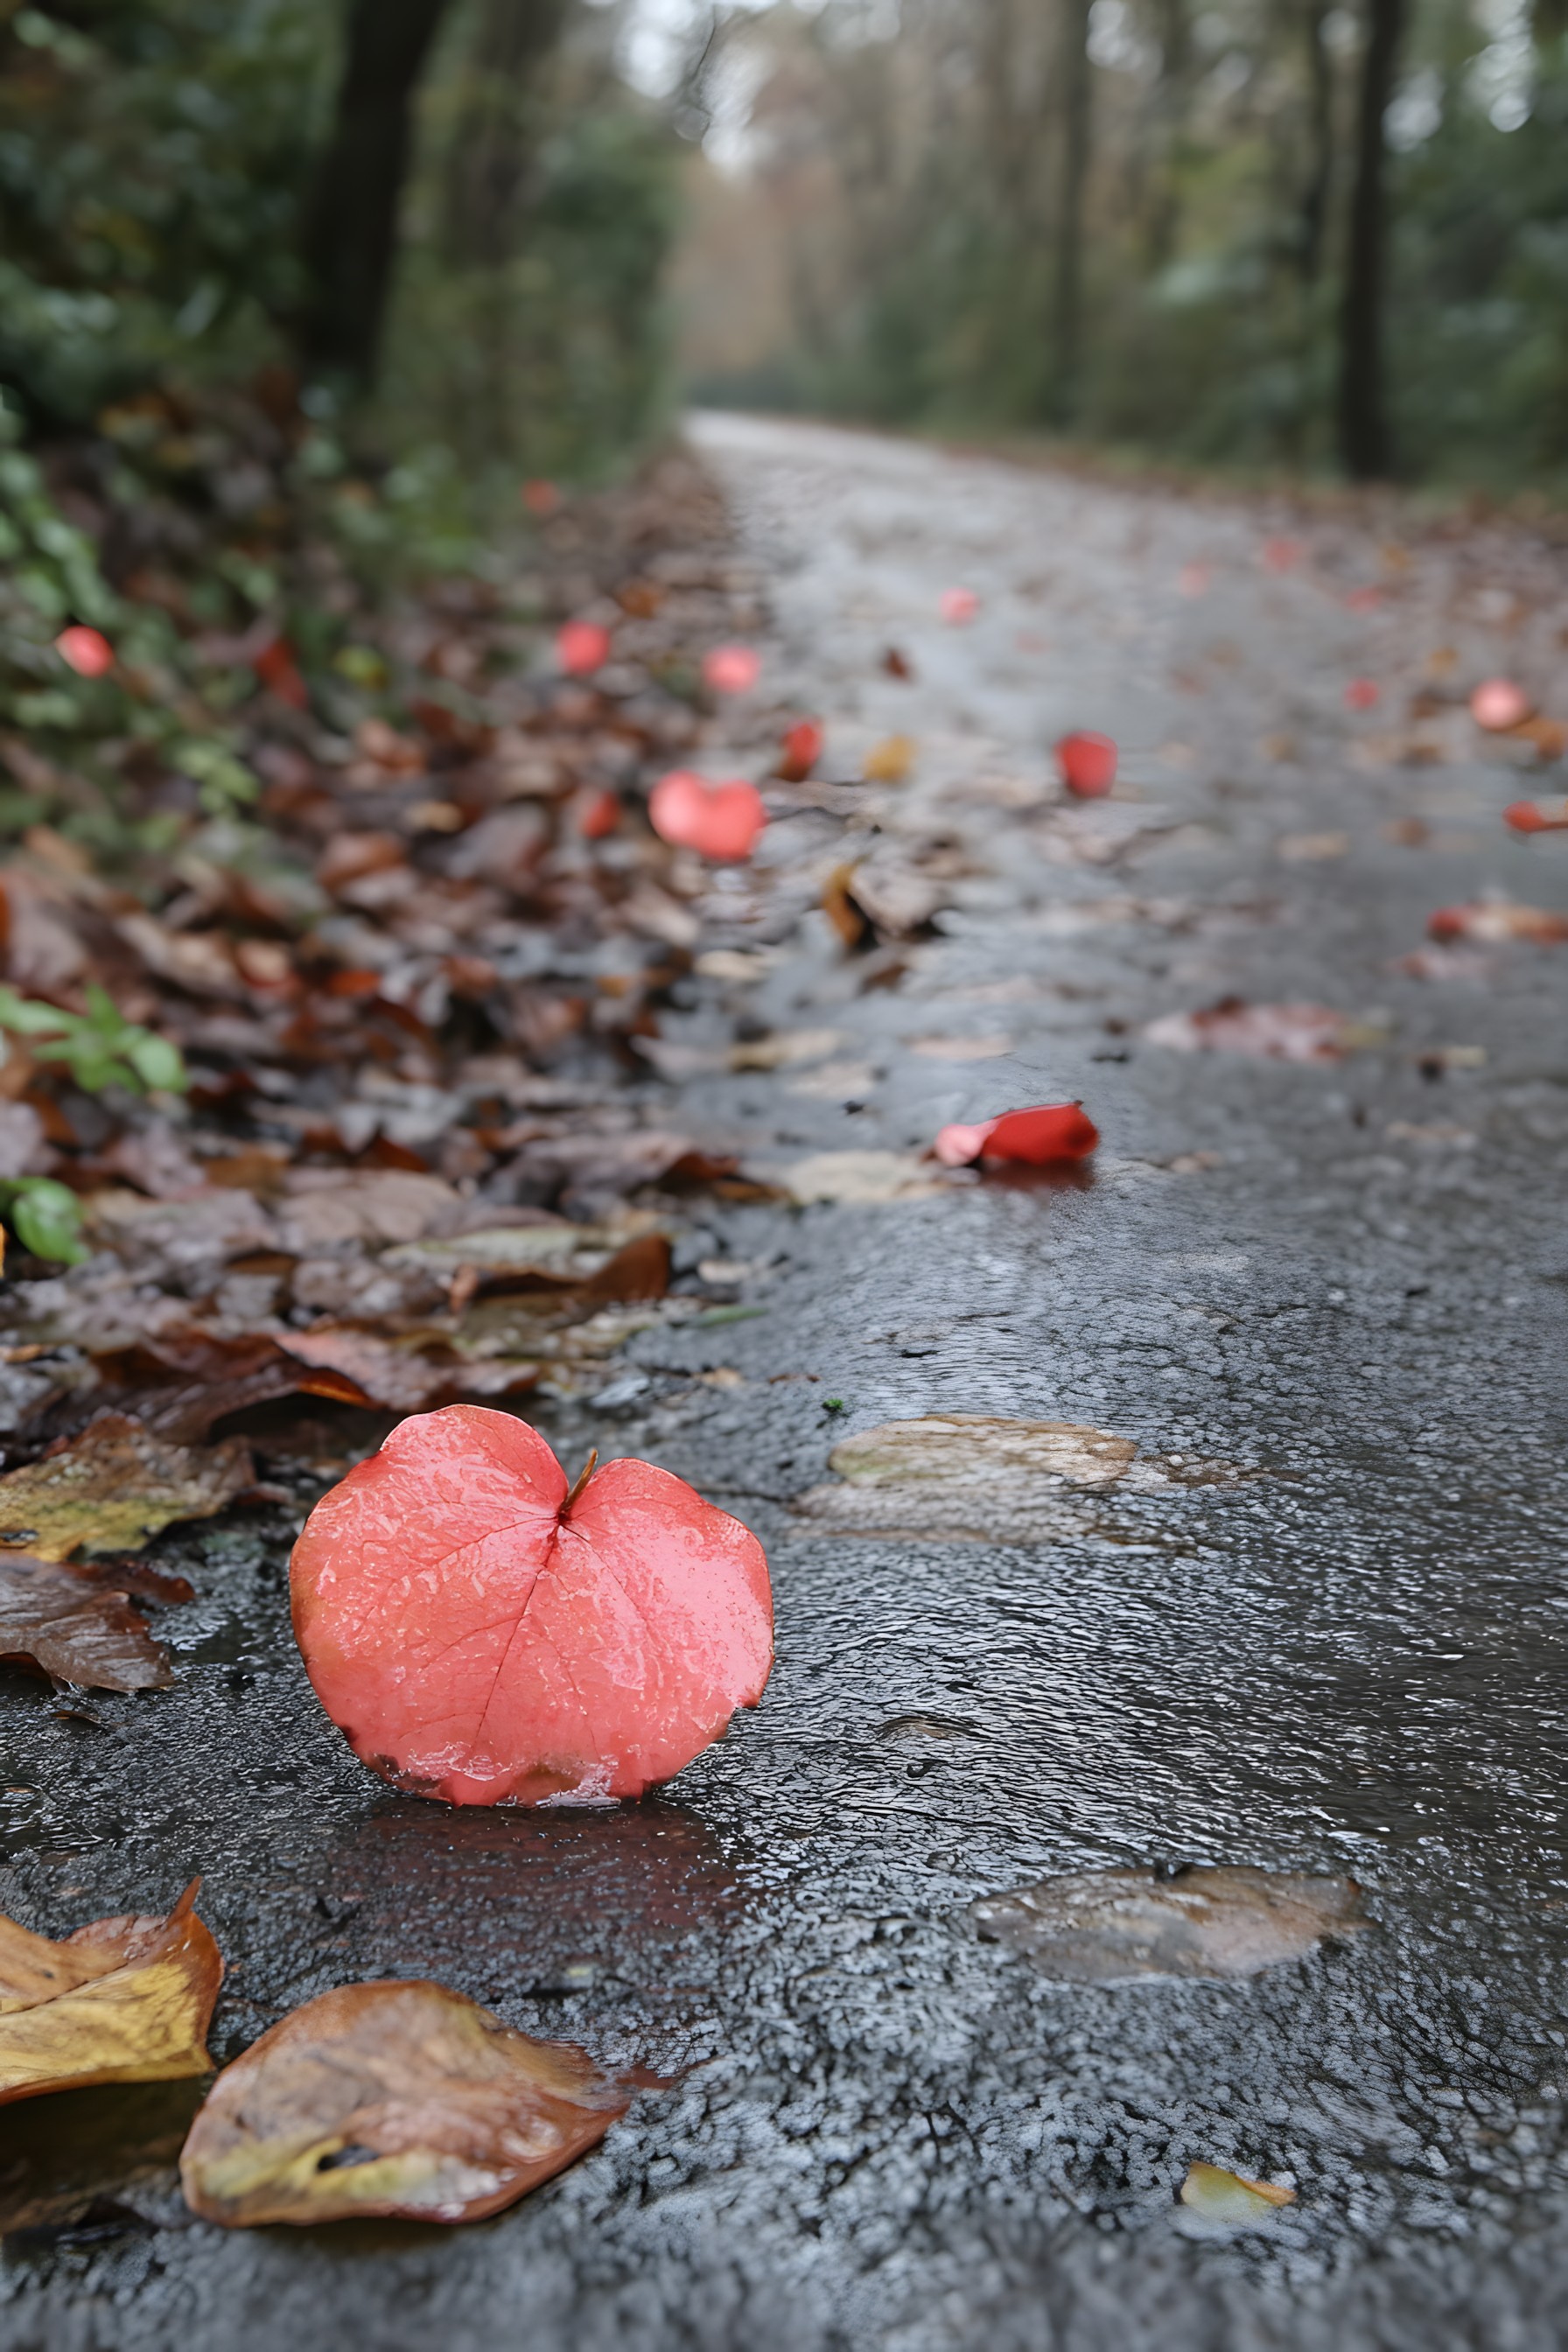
1321,140
1364,445
1075,135
350,239
492,147
1168,109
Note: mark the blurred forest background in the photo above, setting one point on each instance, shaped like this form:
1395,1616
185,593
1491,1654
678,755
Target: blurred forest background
294,298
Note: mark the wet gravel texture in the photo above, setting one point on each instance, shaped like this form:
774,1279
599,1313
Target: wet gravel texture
891,2133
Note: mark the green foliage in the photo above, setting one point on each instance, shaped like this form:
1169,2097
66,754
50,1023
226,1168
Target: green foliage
45,1216
151,158
551,360
98,1047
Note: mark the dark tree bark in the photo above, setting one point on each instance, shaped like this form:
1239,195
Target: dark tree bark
1075,131
350,239
493,144
1365,450
1321,144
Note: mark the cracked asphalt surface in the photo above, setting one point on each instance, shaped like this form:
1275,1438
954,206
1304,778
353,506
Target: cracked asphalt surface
1349,1278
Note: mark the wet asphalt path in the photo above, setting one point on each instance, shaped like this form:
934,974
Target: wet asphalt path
1350,1276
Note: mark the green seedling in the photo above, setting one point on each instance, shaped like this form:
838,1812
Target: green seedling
100,1046
45,1217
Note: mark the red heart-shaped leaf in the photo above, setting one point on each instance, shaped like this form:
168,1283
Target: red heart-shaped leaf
720,821
482,1635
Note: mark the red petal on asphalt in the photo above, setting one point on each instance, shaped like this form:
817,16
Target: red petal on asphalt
1086,763
720,821
1282,554
958,606
1363,600
483,1636
1193,580
800,751
86,651
582,647
599,815
1038,1137
1499,704
956,1147
732,669
1492,922
1528,816
1363,693
278,671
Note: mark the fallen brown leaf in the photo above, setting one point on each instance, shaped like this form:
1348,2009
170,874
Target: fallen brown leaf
1112,1926
114,1487
966,1478
391,2099
1497,922
76,1631
889,761
123,2000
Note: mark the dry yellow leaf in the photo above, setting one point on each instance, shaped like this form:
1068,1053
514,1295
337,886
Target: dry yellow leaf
1231,2198
113,1487
889,761
123,2000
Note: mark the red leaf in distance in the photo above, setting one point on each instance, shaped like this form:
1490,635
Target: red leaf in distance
1362,694
582,647
800,751
958,606
484,1636
86,651
1499,704
1086,763
278,671
732,669
720,821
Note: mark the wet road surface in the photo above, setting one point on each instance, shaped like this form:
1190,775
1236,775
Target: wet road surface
1349,1278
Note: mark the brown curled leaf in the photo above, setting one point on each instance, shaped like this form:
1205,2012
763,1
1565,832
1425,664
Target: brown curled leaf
401,2098
123,2000
76,1630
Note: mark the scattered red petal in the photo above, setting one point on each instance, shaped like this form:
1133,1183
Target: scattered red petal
722,821
799,752
1041,1138
1363,600
958,606
582,647
483,1635
1193,580
86,651
1499,704
1362,694
1529,816
732,669
1282,554
540,497
1086,763
278,671
1492,922
598,814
